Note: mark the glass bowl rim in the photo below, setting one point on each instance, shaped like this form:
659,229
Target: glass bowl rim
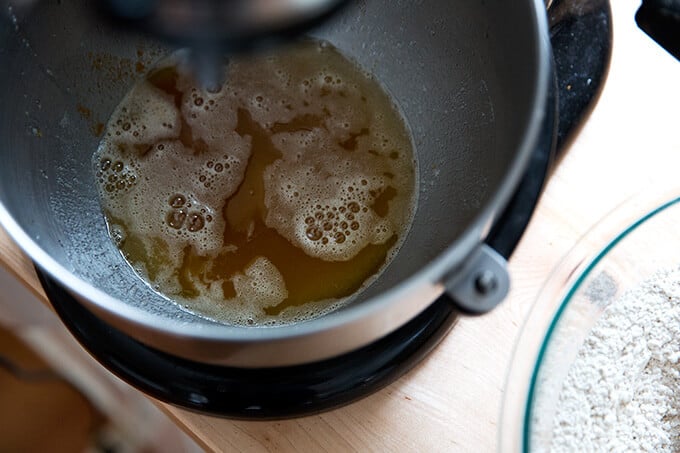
564,280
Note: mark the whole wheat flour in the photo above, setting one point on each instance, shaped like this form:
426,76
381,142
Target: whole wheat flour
622,393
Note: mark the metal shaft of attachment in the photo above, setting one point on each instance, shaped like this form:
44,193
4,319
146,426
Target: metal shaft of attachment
209,67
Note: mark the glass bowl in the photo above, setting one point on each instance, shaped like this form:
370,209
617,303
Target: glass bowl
629,246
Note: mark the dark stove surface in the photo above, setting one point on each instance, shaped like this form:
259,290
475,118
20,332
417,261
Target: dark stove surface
581,38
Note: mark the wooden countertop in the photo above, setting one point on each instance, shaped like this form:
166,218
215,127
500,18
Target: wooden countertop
452,400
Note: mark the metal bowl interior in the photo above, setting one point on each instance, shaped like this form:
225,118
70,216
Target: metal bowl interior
469,77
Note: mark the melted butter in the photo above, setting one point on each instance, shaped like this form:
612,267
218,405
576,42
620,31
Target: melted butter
319,195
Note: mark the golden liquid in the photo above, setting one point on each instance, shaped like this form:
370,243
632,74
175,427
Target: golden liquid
203,279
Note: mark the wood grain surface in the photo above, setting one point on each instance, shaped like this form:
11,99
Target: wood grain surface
452,400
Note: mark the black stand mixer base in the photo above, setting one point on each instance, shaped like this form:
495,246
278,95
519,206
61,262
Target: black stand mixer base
266,393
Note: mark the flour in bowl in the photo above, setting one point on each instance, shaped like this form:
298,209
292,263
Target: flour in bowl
622,393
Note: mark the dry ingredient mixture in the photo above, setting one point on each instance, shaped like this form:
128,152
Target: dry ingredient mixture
622,393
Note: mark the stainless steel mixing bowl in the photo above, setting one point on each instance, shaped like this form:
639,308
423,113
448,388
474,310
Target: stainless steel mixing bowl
470,76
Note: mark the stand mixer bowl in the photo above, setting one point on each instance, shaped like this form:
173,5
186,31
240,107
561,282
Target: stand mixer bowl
470,79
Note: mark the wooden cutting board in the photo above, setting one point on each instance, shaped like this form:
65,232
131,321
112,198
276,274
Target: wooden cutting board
452,400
